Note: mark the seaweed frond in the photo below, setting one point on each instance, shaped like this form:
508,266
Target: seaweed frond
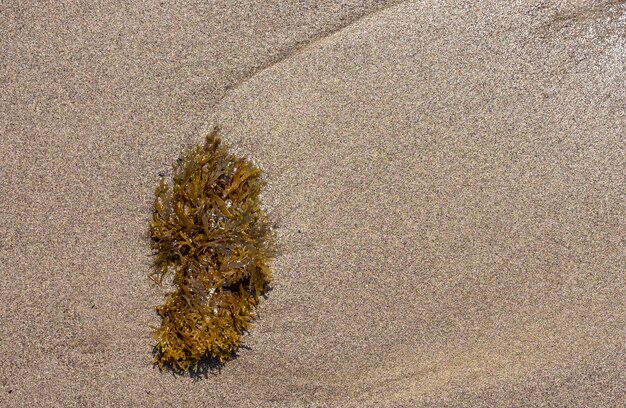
214,241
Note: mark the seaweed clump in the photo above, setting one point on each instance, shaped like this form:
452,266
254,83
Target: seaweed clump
214,241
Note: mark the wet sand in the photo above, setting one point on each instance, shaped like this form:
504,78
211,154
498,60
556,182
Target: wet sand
447,183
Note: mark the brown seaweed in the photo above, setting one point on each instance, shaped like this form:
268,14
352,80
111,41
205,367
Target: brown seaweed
214,241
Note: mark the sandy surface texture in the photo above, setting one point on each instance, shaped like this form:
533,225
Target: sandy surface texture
447,179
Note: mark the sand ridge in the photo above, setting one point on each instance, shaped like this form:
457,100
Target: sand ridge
447,180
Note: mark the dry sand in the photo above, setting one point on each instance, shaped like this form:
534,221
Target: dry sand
447,179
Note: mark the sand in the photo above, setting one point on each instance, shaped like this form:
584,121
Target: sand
447,181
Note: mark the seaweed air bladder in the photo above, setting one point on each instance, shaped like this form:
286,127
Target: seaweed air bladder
214,241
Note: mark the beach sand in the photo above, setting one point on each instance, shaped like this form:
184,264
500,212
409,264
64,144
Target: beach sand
447,181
